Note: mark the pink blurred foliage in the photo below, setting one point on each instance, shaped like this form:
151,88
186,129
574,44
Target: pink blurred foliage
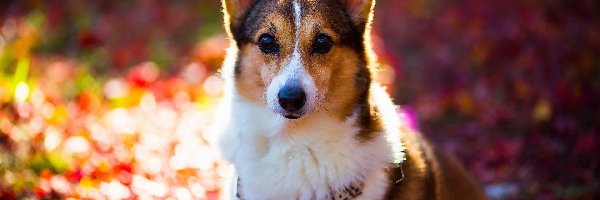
511,88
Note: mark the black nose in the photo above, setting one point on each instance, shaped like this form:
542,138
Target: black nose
291,97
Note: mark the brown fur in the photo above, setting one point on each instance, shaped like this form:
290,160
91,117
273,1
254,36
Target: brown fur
430,174
334,73
343,75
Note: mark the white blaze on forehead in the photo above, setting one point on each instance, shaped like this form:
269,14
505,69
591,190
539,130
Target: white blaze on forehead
297,22
296,58
293,69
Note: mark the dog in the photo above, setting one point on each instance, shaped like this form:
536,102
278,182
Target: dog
304,118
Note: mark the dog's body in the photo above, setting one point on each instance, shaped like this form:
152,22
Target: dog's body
302,118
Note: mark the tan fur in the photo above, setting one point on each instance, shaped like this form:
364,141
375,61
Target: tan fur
258,69
333,72
428,173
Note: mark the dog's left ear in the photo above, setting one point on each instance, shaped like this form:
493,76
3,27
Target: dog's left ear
361,12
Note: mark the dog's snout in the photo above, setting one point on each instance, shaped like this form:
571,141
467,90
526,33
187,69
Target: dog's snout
291,96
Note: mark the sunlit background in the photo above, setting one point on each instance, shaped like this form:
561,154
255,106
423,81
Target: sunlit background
113,99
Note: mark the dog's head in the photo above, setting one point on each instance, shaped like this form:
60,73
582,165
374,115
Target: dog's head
301,56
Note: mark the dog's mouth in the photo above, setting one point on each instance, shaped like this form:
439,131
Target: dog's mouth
287,114
292,116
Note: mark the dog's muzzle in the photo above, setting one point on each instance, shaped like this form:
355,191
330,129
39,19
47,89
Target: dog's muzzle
291,98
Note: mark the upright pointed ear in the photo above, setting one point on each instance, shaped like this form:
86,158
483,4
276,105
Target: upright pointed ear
233,11
361,12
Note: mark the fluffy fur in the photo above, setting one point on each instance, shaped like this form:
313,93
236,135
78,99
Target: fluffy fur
278,158
347,132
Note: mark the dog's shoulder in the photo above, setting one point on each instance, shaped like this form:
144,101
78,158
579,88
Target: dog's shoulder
428,173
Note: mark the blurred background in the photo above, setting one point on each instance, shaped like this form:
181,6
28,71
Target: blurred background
113,99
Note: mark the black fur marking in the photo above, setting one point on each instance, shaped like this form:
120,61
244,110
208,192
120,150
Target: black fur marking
337,16
370,123
339,20
237,69
254,17
368,118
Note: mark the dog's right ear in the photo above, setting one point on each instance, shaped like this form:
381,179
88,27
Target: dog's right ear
233,11
360,11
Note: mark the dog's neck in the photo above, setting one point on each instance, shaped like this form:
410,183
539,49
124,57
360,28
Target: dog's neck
278,158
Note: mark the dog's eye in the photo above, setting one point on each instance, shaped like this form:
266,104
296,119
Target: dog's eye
322,44
267,44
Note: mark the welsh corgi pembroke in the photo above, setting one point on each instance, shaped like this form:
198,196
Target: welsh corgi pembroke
304,118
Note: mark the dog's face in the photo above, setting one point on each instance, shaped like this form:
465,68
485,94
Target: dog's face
300,56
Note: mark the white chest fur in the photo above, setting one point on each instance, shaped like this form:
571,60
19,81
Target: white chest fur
304,159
